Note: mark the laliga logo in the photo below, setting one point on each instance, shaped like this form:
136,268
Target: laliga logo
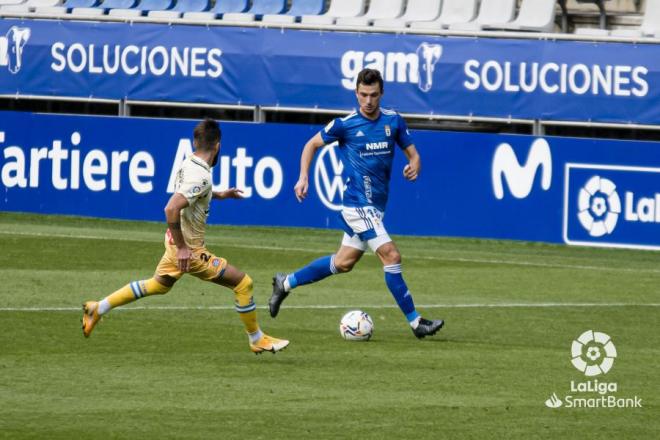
593,353
329,185
599,206
11,48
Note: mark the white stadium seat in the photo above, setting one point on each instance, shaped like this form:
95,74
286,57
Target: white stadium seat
337,9
452,12
17,6
650,26
533,15
378,9
416,11
491,12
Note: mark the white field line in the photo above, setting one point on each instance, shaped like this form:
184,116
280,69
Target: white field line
421,257
338,306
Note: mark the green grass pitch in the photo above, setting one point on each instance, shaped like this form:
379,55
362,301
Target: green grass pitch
178,366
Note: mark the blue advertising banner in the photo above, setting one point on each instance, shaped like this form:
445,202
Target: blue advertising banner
561,190
505,78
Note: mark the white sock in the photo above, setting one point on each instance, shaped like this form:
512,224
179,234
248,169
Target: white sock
254,337
287,286
104,307
415,322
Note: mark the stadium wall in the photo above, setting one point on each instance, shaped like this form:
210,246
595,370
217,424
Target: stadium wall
548,189
524,79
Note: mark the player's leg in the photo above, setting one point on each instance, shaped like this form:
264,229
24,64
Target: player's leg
167,273
391,258
218,271
347,256
94,310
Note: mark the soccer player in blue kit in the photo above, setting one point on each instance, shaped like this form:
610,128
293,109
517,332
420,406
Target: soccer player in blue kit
366,141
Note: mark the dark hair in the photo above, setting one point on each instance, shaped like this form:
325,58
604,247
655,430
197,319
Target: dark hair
206,134
369,77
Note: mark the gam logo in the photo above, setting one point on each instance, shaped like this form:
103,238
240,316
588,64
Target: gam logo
11,48
520,177
328,179
414,67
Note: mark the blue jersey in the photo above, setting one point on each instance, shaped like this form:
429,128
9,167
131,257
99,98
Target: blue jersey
366,148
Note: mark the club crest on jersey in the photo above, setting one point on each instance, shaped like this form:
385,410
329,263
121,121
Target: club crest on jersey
388,131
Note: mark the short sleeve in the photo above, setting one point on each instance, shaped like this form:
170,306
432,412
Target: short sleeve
192,186
403,138
334,131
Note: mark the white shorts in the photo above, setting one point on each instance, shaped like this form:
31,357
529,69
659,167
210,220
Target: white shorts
363,228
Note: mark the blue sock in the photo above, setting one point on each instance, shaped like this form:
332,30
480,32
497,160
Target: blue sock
400,292
314,271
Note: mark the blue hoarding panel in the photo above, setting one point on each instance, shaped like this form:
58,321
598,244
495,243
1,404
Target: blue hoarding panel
441,75
578,191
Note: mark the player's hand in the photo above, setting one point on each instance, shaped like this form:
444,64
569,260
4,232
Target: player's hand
410,172
183,255
301,189
232,193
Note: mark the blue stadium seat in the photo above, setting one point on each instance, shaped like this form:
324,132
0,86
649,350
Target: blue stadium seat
298,9
83,8
142,7
61,9
221,7
119,4
337,9
258,9
181,7
81,3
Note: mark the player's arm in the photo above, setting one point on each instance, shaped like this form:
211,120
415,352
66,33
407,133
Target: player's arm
231,193
173,215
306,157
411,171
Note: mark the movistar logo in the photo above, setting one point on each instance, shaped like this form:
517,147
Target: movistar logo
519,177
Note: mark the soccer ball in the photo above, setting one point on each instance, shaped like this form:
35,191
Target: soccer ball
356,325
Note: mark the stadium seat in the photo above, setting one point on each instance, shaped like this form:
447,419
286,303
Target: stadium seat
416,11
141,8
337,9
533,16
221,7
10,2
182,7
94,8
59,8
491,13
258,9
298,9
21,6
452,12
650,26
378,9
